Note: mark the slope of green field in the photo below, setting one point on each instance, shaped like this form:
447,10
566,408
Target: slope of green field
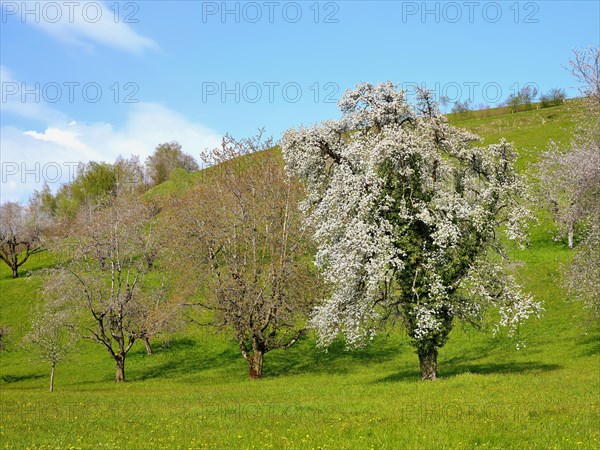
529,130
194,393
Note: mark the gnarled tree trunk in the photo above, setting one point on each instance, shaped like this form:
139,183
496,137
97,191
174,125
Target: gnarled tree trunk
428,363
120,369
256,358
256,364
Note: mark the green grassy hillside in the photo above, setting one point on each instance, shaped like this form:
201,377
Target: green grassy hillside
194,393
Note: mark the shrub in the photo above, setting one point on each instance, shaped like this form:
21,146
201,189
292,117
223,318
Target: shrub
554,97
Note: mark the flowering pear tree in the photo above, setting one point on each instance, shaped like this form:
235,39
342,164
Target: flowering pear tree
569,176
569,182
409,214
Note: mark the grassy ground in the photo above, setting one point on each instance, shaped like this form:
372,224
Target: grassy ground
194,393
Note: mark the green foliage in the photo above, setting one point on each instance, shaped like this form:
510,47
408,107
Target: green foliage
554,97
522,100
45,201
166,158
93,183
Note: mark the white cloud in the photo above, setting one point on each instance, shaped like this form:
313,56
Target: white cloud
64,138
30,157
83,23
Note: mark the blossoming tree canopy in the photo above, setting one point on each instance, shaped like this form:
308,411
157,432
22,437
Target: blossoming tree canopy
409,214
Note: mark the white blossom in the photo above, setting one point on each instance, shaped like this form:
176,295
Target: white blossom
406,210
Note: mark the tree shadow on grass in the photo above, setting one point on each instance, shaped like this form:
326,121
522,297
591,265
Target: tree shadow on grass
185,357
451,370
17,378
168,346
591,344
188,357
305,357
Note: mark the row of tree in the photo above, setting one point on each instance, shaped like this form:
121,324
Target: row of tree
22,227
123,271
94,181
523,100
402,219
568,182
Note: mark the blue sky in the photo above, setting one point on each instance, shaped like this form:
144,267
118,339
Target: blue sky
91,80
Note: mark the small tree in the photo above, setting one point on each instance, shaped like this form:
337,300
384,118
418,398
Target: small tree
20,235
94,183
408,216
567,184
585,67
554,97
51,338
106,276
244,234
521,101
166,158
569,178
444,101
44,203
461,108
129,175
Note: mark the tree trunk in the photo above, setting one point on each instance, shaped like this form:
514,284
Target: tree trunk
120,372
570,235
52,379
15,272
147,344
428,363
256,364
